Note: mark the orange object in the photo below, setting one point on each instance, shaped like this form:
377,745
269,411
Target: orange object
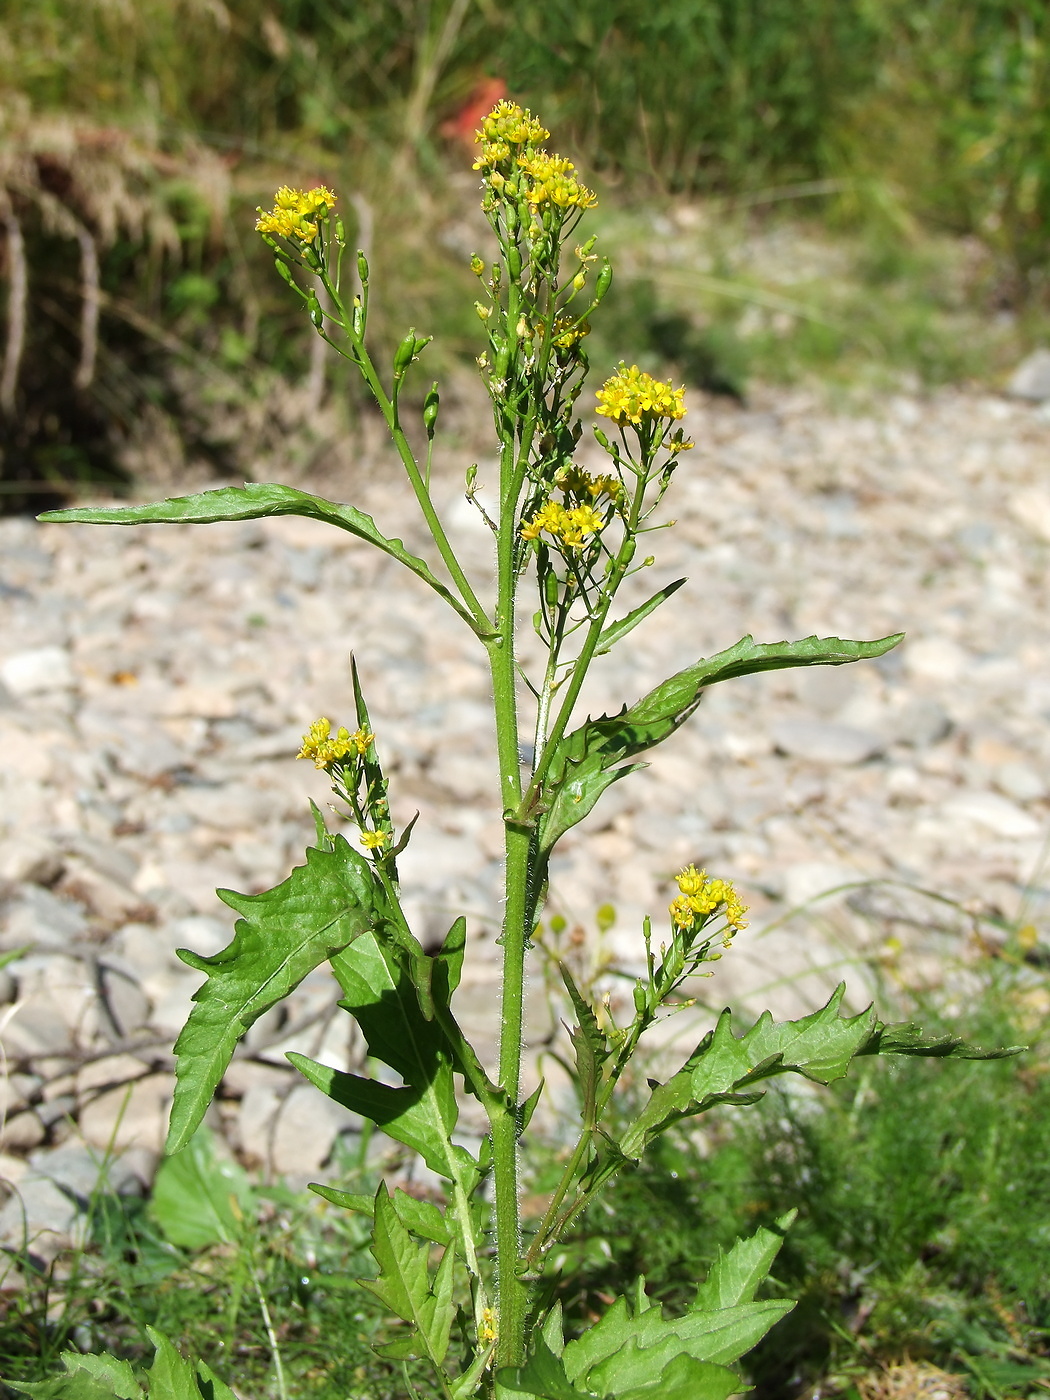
483,97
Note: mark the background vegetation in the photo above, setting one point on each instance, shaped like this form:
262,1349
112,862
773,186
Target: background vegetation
906,138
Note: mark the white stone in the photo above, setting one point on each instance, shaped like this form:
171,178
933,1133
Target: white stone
37,671
996,814
1031,379
936,658
809,881
825,742
306,1129
1031,508
131,1116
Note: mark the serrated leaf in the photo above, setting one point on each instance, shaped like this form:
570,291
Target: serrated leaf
199,1199
254,501
385,1003
907,1038
590,1047
171,1377
423,1218
79,1385
110,1371
686,1379
211,1387
584,762
626,1349
542,1375
735,1276
404,1283
616,631
283,935
724,1069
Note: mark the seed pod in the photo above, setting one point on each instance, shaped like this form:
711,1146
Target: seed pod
513,263
314,308
283,270
550,589
405,354
603,281
362,268
641,1001
431,405
602,440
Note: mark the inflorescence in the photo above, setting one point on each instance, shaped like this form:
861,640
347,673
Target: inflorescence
295,213
699,897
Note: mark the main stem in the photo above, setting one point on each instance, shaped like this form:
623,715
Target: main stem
512,1292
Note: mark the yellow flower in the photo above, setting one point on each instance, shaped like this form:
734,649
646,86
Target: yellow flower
569,526
374,840
295,213
700,896
632,396
489,1330
360,739
324,750
508,123
553,182
567,331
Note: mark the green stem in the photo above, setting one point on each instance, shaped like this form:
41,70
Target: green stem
388,408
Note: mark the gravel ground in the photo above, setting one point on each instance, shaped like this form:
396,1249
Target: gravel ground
156,681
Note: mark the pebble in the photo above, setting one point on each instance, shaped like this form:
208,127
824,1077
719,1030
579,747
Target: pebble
156,682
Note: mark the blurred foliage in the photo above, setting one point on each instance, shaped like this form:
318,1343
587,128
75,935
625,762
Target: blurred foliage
148,130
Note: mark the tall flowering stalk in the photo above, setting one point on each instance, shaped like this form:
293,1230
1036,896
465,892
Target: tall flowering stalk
466,1279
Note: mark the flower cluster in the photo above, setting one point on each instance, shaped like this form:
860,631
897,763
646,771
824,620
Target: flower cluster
325,750
580,486
295,213
632,396
513,165
700,897
553,182
569,527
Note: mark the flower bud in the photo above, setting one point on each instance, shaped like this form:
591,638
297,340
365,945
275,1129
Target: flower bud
477,266
579,281
484,312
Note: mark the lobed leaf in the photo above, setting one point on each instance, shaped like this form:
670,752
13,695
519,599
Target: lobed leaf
285,933
583,764
734,1277
404,1283
724,1069
906,1038
383,999
255,501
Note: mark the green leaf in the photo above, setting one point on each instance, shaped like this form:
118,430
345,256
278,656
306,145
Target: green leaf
211,1387
906,1038
616,631
543,1375
719,1337
686,1379
199,1199
723,1068
423,1218
109,1370
734,1277
254,501
385,1003
590,1046
80,1385
404,1283
171,1377
284,934
583,765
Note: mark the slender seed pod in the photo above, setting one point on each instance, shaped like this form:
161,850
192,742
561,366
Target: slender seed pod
431,405
405,353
